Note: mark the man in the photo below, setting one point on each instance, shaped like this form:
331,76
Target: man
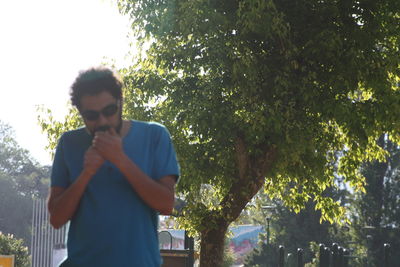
110,179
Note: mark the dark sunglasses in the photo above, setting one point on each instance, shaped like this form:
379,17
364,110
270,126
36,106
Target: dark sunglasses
92,115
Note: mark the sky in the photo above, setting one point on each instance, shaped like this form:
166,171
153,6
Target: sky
43,46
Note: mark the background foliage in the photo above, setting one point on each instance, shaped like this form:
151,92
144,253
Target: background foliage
307,79
13,246
21,180
374,218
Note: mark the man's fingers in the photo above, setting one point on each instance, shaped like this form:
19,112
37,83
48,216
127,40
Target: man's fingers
98,139
101,144
112,131
108,144
92,151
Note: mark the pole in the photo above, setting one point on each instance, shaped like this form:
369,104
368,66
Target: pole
268,233
300,257
386,248
281,261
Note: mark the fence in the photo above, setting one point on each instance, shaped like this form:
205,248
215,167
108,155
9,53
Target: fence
45,239
336,256
183,257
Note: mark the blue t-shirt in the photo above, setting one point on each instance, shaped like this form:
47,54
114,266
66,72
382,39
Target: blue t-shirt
112,226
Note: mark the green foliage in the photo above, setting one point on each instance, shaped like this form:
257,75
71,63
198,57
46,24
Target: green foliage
376,215
264,256
21,179
295,231
314,247
15,210
12,246
54,128
299,230
307,80
28,177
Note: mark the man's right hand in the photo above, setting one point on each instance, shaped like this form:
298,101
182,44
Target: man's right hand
92,161
63,202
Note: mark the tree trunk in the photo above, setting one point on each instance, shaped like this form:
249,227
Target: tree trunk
212,246
251,178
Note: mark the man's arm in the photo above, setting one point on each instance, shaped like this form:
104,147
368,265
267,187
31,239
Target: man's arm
62,202
158,194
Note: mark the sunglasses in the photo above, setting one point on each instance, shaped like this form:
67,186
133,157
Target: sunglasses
92,115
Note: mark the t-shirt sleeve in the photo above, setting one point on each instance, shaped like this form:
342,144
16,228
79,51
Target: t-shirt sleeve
59,171
165,162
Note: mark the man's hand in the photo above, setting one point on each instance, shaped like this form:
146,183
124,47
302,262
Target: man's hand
92,161
109,145
63,202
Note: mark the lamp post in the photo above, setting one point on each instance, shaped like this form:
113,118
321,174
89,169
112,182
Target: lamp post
268,219
268,233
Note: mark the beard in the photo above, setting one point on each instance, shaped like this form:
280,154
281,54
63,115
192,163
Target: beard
105,128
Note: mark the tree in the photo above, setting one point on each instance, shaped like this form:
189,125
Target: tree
15,211
12,246
376,218
16,163
295,230
260,92
266,255
21,180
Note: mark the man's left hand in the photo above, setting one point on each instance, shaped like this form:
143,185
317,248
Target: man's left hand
109,145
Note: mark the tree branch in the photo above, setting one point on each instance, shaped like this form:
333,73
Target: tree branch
248,184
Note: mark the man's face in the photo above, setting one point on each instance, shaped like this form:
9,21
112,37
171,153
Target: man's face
100,110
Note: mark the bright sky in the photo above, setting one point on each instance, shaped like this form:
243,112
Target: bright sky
43,45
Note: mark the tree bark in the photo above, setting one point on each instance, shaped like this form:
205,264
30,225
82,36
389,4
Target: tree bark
251,178
212,245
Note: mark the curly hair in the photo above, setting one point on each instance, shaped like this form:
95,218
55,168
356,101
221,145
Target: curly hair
94,81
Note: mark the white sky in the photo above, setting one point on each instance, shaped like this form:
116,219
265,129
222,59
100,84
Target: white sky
43,45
